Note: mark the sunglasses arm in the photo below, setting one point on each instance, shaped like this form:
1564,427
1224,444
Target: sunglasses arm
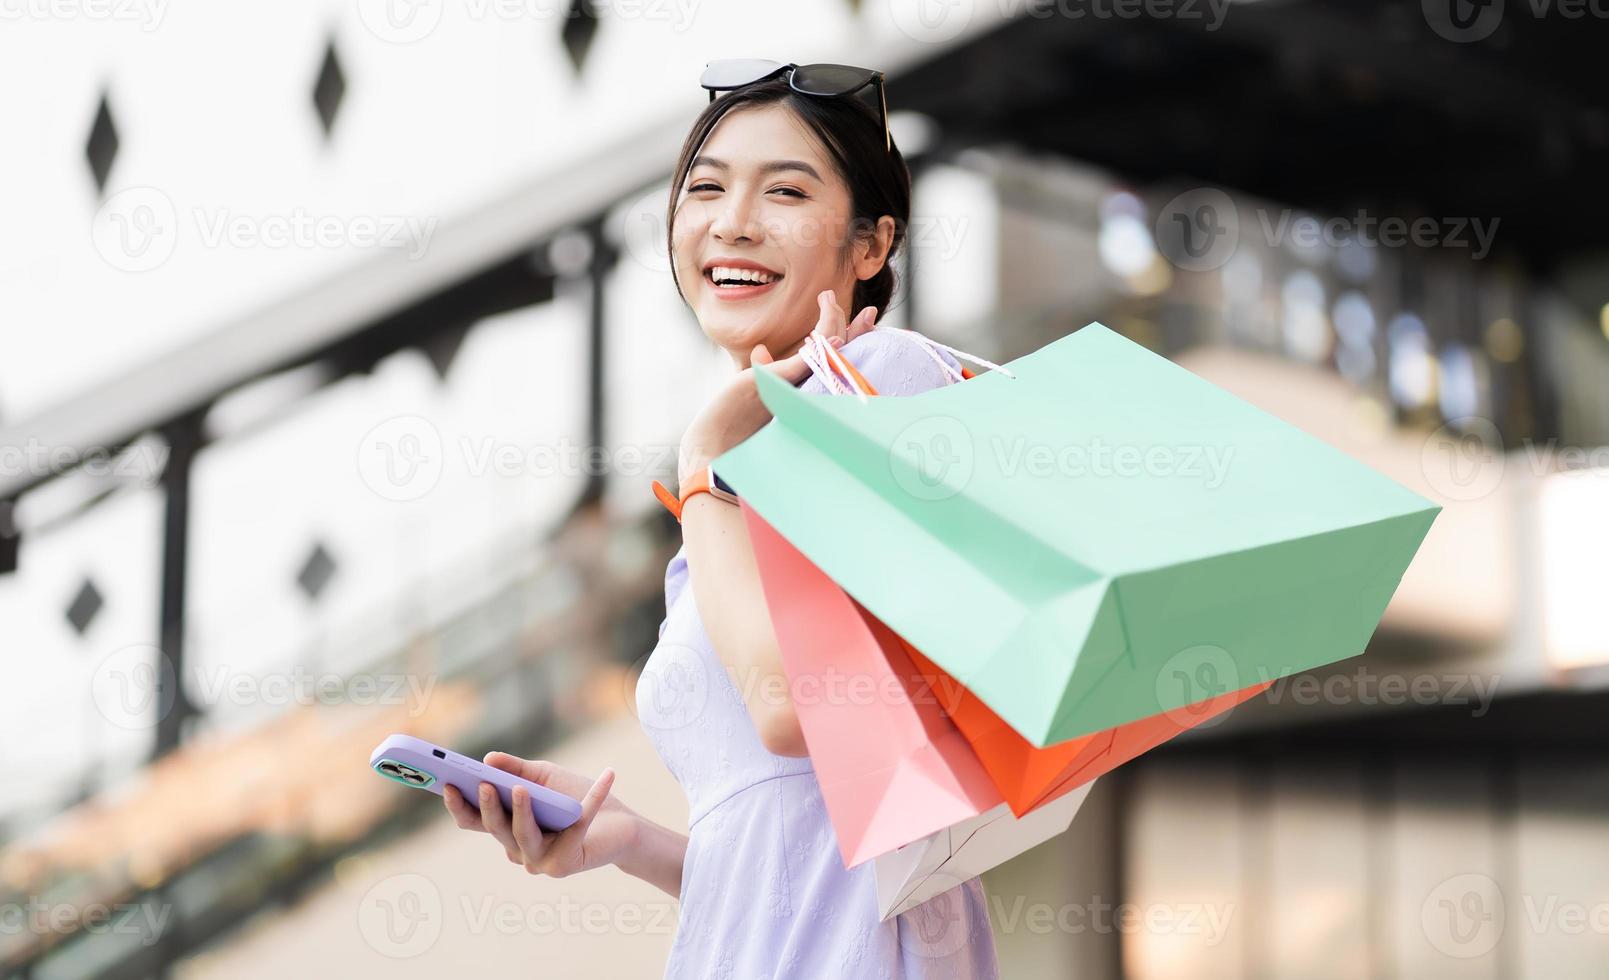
882,96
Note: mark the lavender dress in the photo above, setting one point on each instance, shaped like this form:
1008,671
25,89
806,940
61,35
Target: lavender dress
764,890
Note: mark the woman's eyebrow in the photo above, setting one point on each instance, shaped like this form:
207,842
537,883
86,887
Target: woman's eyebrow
771,166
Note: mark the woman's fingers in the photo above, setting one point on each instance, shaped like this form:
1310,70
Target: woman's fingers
536,770
464,815
832,322
593,801
794,368
591,804
526,833
864,321
496,822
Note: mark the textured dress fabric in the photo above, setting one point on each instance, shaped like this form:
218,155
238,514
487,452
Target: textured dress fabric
764,891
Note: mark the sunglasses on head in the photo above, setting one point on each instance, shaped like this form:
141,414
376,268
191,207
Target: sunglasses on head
822,80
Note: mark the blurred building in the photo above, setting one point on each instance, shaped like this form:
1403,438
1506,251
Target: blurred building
337,350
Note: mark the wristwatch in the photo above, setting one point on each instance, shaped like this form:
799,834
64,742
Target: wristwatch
704,481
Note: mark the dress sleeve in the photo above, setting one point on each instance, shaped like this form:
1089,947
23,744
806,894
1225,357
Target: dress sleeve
894,362
676,578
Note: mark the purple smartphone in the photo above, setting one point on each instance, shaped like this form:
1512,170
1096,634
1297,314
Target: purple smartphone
415,762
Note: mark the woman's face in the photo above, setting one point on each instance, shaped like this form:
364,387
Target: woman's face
763,205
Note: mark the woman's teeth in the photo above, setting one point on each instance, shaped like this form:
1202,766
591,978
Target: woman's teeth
722,275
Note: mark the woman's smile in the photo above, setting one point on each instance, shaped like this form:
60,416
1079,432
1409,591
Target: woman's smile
739,279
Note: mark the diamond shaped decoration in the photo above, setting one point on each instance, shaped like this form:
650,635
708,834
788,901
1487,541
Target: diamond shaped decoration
329,89
442,349
101,150
85,606
580,26
9,537
316,572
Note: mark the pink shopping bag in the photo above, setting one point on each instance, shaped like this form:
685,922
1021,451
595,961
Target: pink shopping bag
892,766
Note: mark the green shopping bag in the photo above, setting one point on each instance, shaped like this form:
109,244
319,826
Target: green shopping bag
1096,537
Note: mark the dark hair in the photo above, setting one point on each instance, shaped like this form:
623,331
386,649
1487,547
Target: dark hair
852,131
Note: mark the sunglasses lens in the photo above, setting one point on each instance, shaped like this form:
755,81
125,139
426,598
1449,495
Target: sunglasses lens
830,79
732,73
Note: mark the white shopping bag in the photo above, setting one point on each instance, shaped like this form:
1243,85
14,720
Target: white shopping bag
910,875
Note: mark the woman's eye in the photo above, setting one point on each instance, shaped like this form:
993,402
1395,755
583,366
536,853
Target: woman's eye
707,186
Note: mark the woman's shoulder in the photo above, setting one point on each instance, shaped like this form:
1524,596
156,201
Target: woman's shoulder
896,362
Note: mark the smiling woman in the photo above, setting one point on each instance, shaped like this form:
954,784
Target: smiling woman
786,209
800,187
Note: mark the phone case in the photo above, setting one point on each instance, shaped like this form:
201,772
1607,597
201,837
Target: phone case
553,810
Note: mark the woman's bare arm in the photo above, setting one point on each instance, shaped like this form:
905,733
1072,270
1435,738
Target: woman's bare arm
731,602
656,856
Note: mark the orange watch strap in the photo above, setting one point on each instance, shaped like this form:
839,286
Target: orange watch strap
700,482
669,500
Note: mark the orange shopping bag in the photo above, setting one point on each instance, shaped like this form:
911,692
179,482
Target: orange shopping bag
1028,776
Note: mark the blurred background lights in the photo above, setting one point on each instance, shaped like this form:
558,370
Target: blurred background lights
1125,242
1355,260
1504,342
1127,248
1412,370
1305,235
1459,387
1306,329
1354,329
1574,523
914,132
1243,298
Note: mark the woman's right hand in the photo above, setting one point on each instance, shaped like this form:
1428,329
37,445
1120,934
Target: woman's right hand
737,412
606,832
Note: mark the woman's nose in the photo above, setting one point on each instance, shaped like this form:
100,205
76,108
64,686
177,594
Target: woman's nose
737,221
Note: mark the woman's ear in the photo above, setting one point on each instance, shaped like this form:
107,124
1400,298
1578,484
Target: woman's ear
871,252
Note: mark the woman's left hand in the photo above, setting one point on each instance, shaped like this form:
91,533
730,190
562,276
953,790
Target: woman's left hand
737,411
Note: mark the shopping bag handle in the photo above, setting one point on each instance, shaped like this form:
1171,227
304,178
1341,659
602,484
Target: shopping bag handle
840,377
